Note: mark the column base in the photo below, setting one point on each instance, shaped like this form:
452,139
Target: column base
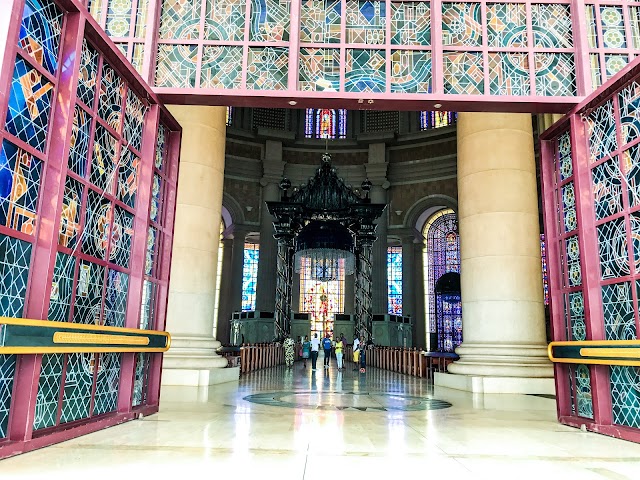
480,384
502,360
193,361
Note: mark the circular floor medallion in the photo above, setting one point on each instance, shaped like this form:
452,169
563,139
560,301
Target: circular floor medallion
363,402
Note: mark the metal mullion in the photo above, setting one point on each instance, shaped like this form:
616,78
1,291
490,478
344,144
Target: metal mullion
245,47
610,218
582,61
150,41
21,144
484,48
200,47
437,53
387,46
293,44
103,16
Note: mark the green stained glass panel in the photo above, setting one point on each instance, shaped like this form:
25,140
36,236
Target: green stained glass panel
267,68
410,23
509,74
506,25
319,69
365,22
555,74
463,73
46,412
365,71
221,67
176,66
410,71
77,386
106,397
551,26
180,19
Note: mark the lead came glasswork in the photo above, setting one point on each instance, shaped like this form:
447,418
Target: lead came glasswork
410,23
319,69
88,71
551,25
103,162
461,24
394,280
128,172
564,156
631,167
29,105
507,25
607,189
7,371
612,242
40,32
509,73
180,20
47,400
88,299
79,148
70,213
410,71
220,67
115,298
118,18
97,225
320,21
270,20
617,304
267,68
625,395
602,131
19,186
15,259
121,237
462,74
250,276
576,309
225,20
365,22
629,102
176,66
134,120
61,288
106,396
574,273
583,391
555,74
111,96
77,386
569,207
365,71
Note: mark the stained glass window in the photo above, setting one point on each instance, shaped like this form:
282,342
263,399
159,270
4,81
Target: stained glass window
250,276
394,280
441,256
229,116
437,119
545,273
325,123
321,299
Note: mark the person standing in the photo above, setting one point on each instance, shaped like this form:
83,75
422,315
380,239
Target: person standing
326,345
339,347
315,347
306,350
289,350
356,351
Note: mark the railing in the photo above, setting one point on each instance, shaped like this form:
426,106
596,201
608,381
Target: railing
596,352
260,355
408,361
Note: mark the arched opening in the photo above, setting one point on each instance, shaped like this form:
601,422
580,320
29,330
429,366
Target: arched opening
448,312
441,256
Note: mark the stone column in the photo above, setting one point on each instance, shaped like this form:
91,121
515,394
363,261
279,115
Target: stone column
377,172
224,304
408,268
504,343
273,170
349,294
192,359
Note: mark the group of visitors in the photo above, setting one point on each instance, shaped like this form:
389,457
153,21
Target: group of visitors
311,349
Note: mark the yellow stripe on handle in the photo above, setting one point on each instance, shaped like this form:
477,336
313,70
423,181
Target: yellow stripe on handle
69,337
611,352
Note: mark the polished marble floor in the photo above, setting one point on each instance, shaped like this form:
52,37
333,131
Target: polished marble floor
330,425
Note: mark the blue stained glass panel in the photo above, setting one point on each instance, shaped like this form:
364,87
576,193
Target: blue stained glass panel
19,185
87,74
250,276
365,71
607,189
29,105
115,298
7,371
15,259
111,96
121,236
70,214
394,280
625,395
128,172
270,20
580,387
617,304
612,243
40,31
